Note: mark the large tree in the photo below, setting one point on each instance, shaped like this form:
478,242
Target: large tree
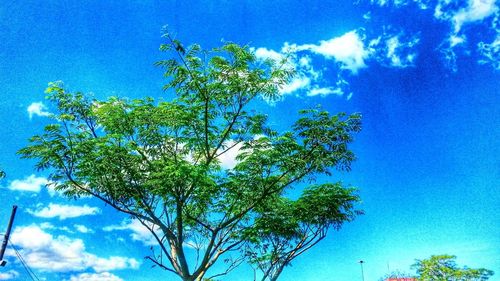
444,268
159,161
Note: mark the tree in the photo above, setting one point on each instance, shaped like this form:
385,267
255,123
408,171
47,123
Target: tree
160,162
444,268
398,276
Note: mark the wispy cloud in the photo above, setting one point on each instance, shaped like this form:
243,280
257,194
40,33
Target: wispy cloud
43,251
31,183
82,228
64,211
422,4
490,53
459,14
395,49
139,231
103,276
38,109
325,91
350,52
48,225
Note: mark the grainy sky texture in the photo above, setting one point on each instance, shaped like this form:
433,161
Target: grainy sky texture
424,74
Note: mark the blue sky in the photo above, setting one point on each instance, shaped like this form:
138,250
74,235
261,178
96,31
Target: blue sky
424,74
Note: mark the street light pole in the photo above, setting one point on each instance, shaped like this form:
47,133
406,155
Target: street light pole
362,273
7,234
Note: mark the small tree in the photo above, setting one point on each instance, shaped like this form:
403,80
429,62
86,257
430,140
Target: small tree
444,268
398,276
160,162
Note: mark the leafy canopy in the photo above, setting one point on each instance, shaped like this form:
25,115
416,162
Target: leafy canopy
159,161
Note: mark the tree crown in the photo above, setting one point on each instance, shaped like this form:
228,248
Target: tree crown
159,161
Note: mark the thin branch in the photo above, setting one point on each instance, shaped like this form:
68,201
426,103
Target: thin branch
161,265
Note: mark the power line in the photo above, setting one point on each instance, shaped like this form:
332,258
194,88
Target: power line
30,272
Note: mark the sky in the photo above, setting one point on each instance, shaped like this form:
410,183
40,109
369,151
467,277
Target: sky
424,74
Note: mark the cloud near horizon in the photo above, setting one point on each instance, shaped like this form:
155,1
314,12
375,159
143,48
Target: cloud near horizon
103,276
49,253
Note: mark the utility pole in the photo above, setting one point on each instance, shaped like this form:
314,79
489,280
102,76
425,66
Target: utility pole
7,234
362,273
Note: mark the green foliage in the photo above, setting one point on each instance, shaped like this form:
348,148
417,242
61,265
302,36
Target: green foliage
444,268
286,228
159,161
2,174
397,275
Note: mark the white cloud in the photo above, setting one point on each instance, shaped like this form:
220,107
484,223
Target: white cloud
112,263
490,53
48,225
297,83
264,53
392,45
228,158
394,50
305,62
367,16
31,183
348,49
103,276
82,228
477,10
64,211
325,91
43,251
449,57
422,4
400,53
458,14
301,65
37,108
456,40
9,275
139,231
